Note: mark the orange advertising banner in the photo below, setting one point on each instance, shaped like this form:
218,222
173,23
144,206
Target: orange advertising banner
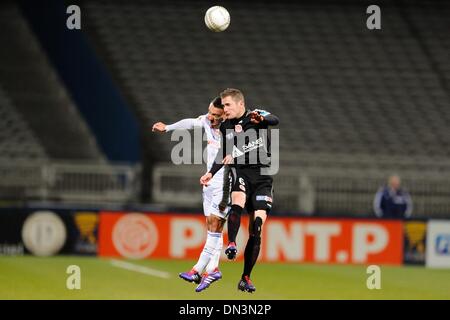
177,236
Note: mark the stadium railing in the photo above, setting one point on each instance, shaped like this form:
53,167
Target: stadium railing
69,181
321,186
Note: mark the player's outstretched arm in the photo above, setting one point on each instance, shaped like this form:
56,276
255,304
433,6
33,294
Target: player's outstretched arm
271,120
184,124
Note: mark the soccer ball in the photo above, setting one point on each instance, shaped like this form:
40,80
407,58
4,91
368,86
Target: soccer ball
217,19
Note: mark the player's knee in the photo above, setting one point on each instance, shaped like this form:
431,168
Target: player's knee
213,223
238,198
237,209
216,224
208,223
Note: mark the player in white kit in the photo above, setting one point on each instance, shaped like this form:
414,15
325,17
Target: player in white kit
215,196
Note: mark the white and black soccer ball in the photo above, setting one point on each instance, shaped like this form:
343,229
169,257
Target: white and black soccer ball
217,19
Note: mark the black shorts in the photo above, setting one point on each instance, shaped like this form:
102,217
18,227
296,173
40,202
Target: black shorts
258,188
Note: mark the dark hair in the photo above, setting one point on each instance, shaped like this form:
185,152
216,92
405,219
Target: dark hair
217,102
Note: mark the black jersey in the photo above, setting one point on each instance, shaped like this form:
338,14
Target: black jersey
247,142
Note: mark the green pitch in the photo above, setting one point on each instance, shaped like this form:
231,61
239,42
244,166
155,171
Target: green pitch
45,278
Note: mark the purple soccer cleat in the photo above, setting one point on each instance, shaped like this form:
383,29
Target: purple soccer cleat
245,284
191,276
231,251
207,279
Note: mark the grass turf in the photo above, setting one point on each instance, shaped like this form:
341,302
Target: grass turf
30,277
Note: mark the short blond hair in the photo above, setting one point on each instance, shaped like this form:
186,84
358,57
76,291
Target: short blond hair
235,94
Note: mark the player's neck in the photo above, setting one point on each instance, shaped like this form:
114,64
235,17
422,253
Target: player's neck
241,114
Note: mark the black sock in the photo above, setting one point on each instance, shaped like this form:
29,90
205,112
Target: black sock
251,254
234,222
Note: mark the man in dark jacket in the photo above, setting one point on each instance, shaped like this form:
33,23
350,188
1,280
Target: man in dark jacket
391,201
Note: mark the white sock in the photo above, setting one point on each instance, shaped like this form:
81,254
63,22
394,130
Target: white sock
208,250
214,262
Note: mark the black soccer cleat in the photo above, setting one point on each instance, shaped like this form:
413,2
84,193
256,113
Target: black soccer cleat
231,251
246,285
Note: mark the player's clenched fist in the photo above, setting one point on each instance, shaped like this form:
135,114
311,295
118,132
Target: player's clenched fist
256,117
159,127
204,179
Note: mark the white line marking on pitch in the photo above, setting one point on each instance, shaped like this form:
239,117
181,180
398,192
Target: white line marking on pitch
141,269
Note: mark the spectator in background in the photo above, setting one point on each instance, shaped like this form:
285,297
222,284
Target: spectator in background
391,201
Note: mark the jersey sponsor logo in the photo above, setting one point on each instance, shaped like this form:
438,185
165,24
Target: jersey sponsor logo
264,198
236,152
253,145
247,147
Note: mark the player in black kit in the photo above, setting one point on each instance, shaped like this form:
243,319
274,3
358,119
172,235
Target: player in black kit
246,149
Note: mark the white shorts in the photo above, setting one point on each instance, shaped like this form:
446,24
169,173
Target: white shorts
212,197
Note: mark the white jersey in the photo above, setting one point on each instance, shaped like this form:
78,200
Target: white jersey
213,139
213,194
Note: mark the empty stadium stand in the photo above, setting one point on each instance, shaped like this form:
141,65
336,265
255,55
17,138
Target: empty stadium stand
47,152
16,138
355,105
36,93
316,66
